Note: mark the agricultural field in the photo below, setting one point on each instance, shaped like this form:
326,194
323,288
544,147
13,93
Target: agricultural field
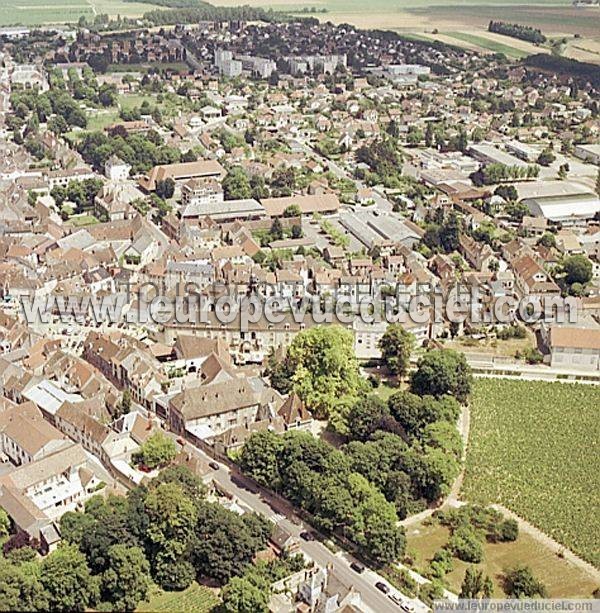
533,447
32,12
195,599
488,44
563,579
36,12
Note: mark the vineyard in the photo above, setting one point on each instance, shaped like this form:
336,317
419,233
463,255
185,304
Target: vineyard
534,447
195,599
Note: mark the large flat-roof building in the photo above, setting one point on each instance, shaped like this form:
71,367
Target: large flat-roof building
588,153
568,209
490,154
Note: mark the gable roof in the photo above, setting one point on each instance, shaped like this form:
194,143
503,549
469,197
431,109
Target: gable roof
312,203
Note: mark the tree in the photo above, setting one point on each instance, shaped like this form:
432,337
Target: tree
578,269
475,584
242,596
19,540
165,189
126,580
259,457
293,210
325,371
4,523
21,588
449,233
67,580
366,416
191,485
442,371
157,450
546,157
125,405
171,517
465,545
520,582
236,184
189,156
508,192
276,230
396,346
215,553
563,172
547,240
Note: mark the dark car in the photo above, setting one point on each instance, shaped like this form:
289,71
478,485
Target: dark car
307,536
382,587
214,465
357,567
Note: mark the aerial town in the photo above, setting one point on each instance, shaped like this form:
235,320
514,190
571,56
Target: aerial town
294,317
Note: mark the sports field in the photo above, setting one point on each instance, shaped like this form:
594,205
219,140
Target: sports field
533,447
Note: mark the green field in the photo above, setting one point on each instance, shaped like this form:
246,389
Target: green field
562,579
486,43
32,12
196,599
534,448
35,12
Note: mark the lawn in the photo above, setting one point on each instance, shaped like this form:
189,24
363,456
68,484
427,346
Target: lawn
195,599
83,220
562,579
533,447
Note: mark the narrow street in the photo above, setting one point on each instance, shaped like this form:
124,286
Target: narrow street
282,513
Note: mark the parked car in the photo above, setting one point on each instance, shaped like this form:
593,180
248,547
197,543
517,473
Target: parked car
357,567
396,599
307,536
382,587
214,465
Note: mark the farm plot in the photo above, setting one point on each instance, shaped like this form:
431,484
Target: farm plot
195,599
487,44
534,448
33,12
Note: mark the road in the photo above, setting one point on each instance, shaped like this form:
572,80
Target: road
282,513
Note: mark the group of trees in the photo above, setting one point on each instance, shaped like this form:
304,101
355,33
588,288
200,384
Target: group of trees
238,185
88,89
515,30
499,173
320,480
320,366
141,151
400,456
80,193
183,11
443,235
57,107
471,525
165,532
384,161
577,272
408,447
